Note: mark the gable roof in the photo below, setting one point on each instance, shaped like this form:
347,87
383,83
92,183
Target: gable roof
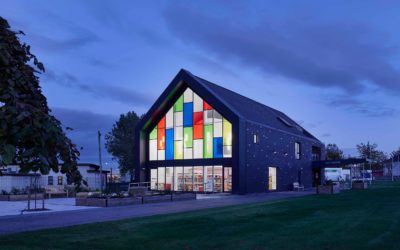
227,100
254,111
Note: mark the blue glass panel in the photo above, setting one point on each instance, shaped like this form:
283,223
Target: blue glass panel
169,144
188,114
218,147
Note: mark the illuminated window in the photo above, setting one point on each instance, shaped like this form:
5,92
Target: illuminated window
191,129
297,150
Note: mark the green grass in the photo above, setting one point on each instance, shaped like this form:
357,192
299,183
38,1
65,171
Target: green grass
350,220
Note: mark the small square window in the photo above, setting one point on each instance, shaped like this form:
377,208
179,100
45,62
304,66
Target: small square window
59,180
50,180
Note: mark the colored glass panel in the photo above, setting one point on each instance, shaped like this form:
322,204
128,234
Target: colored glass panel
198,118
178,150
161,124
218,150
188,114
207,106
161,139
197,103
153,134
178,106
198,132
208,141
169,144
227,132
188,137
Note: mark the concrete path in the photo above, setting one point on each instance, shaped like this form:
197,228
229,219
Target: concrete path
54,205
30,222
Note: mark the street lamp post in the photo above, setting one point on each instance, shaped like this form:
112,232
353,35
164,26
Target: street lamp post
100,163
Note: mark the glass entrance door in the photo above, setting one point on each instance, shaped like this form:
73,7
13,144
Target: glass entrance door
271,178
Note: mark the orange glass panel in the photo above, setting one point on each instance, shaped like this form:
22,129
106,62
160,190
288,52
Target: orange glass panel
207,106
198,118
198,132
161,139
161,124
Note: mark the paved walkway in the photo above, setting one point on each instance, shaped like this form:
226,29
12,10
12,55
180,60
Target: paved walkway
54,205
30,222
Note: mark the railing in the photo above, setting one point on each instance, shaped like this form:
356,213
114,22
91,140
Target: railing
139,184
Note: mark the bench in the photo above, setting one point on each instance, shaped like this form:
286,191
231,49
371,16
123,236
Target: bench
55,190
297,186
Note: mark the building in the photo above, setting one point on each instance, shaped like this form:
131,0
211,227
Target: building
391,167
200,137
12,179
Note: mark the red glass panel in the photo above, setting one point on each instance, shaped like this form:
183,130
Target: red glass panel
161,139
207,106
161,124
198,118
198,132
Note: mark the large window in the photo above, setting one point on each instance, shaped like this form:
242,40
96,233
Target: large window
191,129
192,178
271,178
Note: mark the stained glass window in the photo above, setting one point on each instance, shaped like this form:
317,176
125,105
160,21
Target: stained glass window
191,129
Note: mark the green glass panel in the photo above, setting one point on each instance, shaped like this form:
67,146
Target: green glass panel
153,134
188,137
178,106
178,150
227,133
208,141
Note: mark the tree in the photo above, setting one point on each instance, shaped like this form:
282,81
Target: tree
370,151
120,142
29,135
333,152
395,153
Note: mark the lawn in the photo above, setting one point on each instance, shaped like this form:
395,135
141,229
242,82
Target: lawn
350,220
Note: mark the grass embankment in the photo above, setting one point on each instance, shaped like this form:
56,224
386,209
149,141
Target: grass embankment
350,220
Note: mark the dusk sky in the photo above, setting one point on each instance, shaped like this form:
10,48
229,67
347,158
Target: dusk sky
333,66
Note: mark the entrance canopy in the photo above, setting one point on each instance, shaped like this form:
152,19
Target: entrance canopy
344,163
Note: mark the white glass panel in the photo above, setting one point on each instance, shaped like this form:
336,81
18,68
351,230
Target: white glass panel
169,175
178,179
198,149
188,153
218,129
161,178
188,177
178,135
153,150
178,118
208,179
217,117
170,118
188,95
197,103
198,182
227,151
161,155
217,178
208,116
153,179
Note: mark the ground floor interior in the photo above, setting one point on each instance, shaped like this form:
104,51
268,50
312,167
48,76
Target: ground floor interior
201,179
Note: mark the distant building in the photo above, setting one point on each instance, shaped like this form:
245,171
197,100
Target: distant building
200,137
392,165
11,178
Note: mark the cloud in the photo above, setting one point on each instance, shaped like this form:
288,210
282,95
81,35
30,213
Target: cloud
111,92
85,125
370,108
341,55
